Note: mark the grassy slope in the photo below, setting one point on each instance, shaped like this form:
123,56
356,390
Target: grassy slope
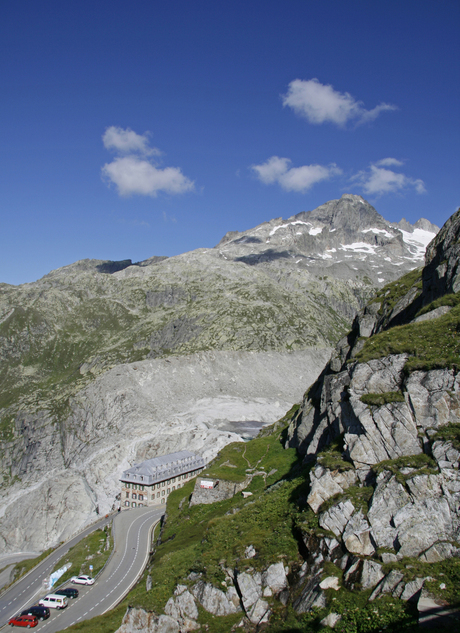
430,344
275,520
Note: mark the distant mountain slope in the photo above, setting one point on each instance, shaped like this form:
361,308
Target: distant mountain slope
283,287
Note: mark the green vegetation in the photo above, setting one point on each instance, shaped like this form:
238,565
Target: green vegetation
332,457
207,539
430,344
380,399
420,464
22,568
448,433
450,300
107,623
389,295
89,551
358,495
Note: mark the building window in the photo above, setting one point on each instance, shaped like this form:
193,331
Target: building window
127,495
135,486
173,479
184,476
153,496
127,504
128,485
174,487
162,501
134,504
141,497
158,494
141,505
134,495
163,483
168,491
141,487
158,485
162,493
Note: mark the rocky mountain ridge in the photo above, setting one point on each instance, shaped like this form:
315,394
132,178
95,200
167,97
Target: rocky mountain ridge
373,509
71,343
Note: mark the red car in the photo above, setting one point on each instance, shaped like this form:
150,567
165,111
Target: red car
24,620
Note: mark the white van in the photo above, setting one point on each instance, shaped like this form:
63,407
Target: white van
54,601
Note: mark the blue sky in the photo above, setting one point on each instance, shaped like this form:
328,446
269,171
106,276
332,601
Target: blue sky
153,128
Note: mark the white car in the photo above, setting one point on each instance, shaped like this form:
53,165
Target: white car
82,580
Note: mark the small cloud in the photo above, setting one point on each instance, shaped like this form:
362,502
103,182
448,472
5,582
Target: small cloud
319,103
127,141
378,180
133,175
389,162
301,179
134,171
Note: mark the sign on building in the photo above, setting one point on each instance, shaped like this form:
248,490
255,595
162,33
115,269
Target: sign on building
208,483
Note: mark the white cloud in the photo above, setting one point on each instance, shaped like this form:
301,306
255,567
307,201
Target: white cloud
133,175
378,180
133,172
277,170
320,103
127,141
389,162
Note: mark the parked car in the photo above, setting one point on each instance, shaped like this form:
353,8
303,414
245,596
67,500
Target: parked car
41,613
24,620
68,592
53,601
82,580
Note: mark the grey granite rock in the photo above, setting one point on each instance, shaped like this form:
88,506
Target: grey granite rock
213,600
325,484
336,518
139,621
260,612
357,536
388,584
249,589
275,578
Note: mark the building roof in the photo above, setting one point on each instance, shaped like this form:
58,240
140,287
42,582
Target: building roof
163,467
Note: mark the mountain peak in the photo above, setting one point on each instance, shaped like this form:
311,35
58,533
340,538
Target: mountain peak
350,212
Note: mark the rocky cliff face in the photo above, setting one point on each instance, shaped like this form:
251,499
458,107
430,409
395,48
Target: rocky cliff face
381,430
91,376
370,518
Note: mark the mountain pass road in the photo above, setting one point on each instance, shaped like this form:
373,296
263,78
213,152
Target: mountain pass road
132,538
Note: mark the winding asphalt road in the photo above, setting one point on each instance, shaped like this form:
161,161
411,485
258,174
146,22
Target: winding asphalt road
132,535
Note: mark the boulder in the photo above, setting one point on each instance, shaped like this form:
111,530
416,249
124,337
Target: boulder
186,606
371,574
325,484
139,621
214,600
260,612
357,536
388,584
336,518
331,620
250,590
331,582
275,578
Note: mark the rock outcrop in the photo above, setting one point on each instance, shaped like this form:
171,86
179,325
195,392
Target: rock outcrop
386,480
